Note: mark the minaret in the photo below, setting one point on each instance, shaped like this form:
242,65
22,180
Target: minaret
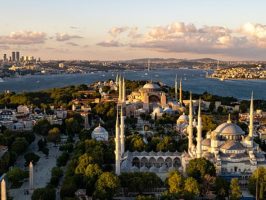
190,125
116,79
31,176
122,132
199,133
180,92
176,88
123,90
120,89
117,146
3,189
251,117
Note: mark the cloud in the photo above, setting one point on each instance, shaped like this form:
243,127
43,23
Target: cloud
115,31
64,37
72,44
110,43
74,27
23,38
179,37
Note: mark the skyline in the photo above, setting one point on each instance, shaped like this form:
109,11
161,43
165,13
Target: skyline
100,30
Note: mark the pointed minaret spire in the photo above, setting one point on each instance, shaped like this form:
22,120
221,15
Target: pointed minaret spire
120,88
122,132
123,90
3,189
251,116
229,118
199,132
190,125
116,79
180,92
176,88
117,145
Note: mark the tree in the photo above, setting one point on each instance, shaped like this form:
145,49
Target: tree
62,160
258,178
42,127
106,186
221,188
57,173
83,162
136,143
139,181
19,145
44,194
16,175
31,157
54,135
199,167
145,198
192,187
72,126
235,193
175,182
92,173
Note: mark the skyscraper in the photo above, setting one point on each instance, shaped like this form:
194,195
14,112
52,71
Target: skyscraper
4,57
13,56
17,56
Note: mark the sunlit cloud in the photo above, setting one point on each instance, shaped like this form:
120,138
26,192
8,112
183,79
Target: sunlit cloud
72,44
180,37
115,31
110,43
64,37
23,38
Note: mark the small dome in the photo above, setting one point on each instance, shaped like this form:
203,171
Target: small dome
134,169
163,168
157,110
168,110
182,118
100,134
151,86
171,169
144,169
153,169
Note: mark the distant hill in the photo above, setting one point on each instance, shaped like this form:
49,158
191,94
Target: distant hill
170,60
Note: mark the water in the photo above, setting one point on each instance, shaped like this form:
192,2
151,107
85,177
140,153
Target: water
193,80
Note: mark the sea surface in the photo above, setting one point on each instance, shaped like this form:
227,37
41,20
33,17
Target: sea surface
193,80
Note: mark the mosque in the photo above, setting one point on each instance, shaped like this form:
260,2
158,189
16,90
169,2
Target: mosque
233,153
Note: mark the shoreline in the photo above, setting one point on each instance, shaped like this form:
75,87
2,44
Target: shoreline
236,79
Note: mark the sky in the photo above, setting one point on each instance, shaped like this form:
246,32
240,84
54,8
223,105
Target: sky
129,29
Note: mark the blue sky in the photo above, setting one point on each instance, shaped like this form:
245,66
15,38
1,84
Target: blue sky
89,21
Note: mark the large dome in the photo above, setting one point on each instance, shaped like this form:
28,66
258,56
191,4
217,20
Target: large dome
229,129
99,130
151,86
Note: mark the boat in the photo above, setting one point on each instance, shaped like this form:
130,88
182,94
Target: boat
1,80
